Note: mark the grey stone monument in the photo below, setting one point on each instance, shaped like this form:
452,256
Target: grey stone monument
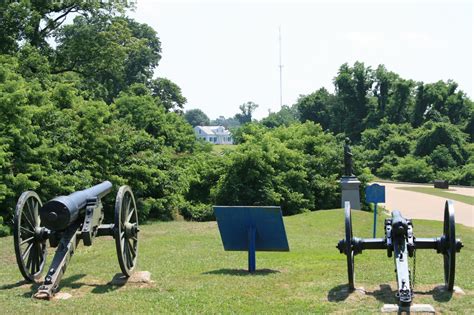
349,182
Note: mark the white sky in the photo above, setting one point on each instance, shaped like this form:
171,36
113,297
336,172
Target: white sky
224,53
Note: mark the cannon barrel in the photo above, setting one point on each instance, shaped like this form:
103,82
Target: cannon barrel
58,213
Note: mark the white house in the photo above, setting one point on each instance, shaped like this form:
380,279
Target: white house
214,134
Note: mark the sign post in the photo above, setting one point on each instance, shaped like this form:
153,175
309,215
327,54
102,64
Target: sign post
375,193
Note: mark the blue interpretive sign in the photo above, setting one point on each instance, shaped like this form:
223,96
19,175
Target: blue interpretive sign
375,193
251,229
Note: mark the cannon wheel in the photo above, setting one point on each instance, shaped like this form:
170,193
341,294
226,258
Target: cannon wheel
349,251
126,230
29,237
449,254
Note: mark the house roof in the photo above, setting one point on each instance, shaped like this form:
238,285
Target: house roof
213,130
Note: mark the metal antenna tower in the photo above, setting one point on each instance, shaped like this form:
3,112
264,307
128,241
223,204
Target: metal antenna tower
281,69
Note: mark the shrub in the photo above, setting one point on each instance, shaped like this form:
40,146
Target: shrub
411,169
197,211
4,230
295,167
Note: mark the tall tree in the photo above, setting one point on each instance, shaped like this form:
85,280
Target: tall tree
399,106
34,22
169,94
246,110
196,117
352,87
108,53
316,107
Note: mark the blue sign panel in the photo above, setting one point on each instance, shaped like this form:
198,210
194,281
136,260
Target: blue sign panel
375,193
240,226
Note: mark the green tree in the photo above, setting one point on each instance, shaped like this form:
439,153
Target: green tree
246,110
108,53
352,88
441,99
284,117
229,123
399,106
33,22
168,93
432,135
196,117
317,107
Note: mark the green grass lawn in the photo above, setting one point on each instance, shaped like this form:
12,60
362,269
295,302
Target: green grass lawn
193,274
441,193
220,148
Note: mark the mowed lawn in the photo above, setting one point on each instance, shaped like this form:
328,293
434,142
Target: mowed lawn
441,193
193,274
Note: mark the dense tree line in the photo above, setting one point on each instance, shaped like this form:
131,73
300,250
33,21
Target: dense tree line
403,130
87,108
297,167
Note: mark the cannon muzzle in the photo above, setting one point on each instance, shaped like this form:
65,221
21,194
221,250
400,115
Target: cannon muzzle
58,213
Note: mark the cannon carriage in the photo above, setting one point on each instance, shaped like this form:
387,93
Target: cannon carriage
64,221
401,243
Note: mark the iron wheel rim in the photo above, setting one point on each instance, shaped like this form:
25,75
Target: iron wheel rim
126,230
30,246
348,250
449,255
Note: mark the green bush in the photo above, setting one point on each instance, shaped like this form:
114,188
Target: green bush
295,167
466,175
411,169
197,211
4,230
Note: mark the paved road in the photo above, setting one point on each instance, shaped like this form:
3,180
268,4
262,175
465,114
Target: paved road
417,205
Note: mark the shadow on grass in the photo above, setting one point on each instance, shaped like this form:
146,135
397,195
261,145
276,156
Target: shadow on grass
342,292
339,293
72,283
384,294
14,285
439,293
67,282
241,272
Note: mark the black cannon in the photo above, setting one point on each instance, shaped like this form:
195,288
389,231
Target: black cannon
400,242
64,221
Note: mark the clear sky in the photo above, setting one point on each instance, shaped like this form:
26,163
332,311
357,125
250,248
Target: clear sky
224,53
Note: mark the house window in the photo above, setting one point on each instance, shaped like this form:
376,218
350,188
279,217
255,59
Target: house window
199,131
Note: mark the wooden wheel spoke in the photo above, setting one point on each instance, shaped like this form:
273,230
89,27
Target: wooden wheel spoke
129,202
27,219
122,239
25,230
31,212
36,212
125,207
27,251
132,249
31,257
27,240
129,255
130,215
125,252
39,257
